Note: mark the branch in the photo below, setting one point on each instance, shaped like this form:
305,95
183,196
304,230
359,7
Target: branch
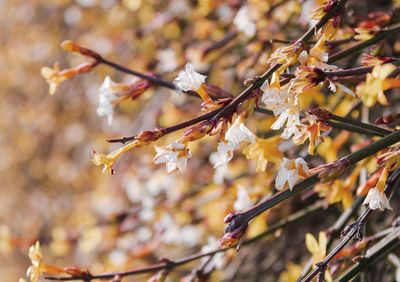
246,216
172,264
389,31
354,229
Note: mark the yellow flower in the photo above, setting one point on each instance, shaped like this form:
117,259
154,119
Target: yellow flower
144,138
54,76
108,160
339,190
264,150
372,89
292,273
312,132
286,56
318,249
38,267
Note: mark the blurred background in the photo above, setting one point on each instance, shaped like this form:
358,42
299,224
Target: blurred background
51,192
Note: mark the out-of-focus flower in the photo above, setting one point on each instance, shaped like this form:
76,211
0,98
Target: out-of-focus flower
235,135
372,89
318,249
54,76
244,22
243,201
189,79
368,60
364,34
292,273
217,260
175,157
312,132
167,60
339,190
263,151
332,86
38,267
291,171
106,98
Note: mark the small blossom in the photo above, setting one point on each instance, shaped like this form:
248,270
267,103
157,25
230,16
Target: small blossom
372,89
106,98
175,156
292,273
290,113
312,132
291,171
190,79
318,249
264,151
38,267
377,199
244,22
286,56
235,135
332,86
54,76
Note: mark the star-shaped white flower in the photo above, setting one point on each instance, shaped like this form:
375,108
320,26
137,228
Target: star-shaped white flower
189,79
290,172
377,199
106,98
244,22
291,115
235,135
175,156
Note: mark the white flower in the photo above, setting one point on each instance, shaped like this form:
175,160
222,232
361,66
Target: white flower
175,156
217,260
106,98
290,172
235,135
273,96
244,22
291,115
243,201
306,8
377,199
332,87
221,172
189,79
167,60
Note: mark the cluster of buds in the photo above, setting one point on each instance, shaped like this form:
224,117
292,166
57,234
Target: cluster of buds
235,231
388,119
369,60
321,114
331,171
